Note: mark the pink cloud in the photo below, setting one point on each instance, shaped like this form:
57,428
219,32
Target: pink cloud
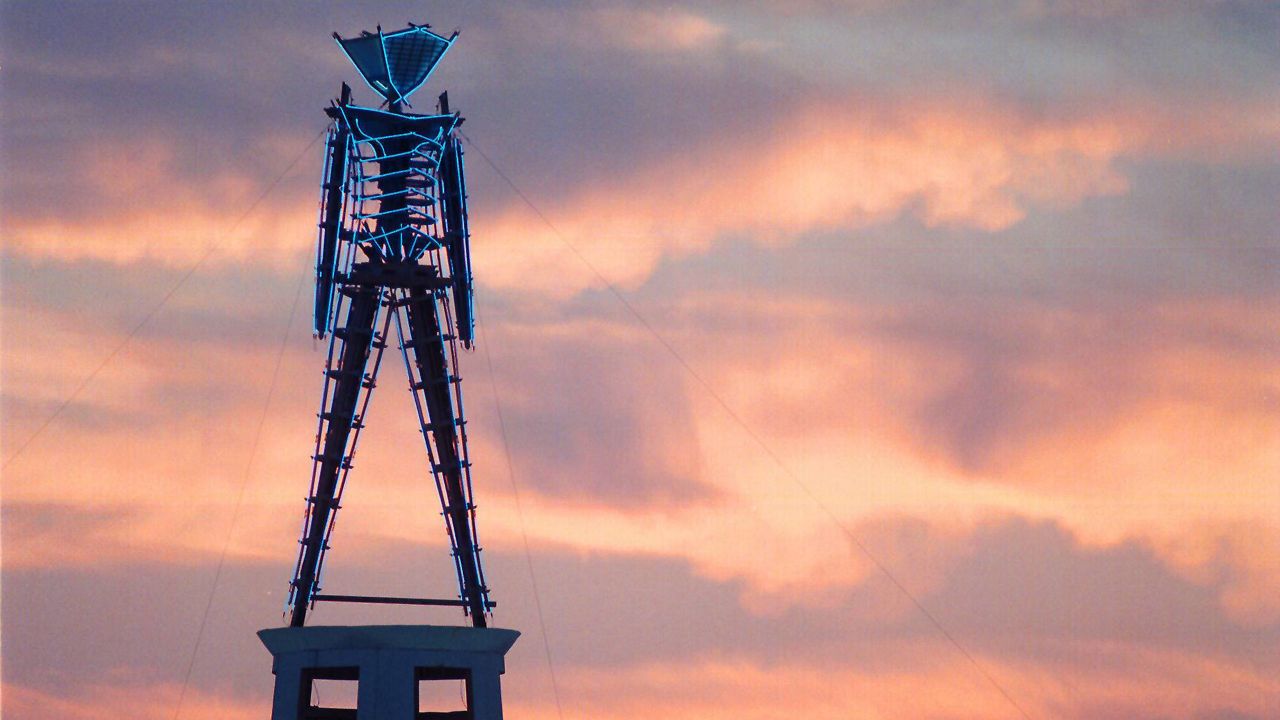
1078,419
829,167
108,702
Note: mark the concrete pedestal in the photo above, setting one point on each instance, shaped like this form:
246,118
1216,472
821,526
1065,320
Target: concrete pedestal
387,662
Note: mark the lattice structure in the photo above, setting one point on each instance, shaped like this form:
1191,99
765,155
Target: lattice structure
393,251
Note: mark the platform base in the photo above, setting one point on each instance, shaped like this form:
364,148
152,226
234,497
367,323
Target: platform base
388,663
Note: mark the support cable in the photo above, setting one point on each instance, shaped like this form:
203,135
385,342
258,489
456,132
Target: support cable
244,484
755,437
524,533
155,310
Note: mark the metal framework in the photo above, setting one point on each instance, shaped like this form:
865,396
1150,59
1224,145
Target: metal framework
393,252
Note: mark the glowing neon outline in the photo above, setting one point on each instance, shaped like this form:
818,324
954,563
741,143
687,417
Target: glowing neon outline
386,63
410,242
448,43
338,39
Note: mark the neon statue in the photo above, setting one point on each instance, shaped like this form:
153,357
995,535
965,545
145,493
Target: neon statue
393,253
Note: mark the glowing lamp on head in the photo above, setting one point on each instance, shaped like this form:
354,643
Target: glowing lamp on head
396,64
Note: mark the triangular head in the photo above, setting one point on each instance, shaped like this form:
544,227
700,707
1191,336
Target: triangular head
397,63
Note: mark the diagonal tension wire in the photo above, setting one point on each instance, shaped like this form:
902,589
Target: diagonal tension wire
755,437
155,310
244,484
524,534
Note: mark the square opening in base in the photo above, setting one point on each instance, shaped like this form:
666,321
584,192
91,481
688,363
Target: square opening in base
443,694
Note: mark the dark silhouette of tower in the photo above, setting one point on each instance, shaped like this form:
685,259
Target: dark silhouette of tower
392,257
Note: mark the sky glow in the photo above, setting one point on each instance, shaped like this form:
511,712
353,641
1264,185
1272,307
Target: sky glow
998,283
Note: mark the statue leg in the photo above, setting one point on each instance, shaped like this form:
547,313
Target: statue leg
434,389
347,388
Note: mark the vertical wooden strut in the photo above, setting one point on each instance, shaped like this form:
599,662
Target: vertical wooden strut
340,416
427,345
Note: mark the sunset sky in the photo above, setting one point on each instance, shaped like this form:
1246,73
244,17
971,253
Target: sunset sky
815,311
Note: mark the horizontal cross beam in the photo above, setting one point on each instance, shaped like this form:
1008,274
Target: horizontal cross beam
395,600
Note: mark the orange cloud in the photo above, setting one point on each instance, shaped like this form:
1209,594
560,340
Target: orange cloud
827,168
1115,433
911,680
935,683
136,201
839,396
109,702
